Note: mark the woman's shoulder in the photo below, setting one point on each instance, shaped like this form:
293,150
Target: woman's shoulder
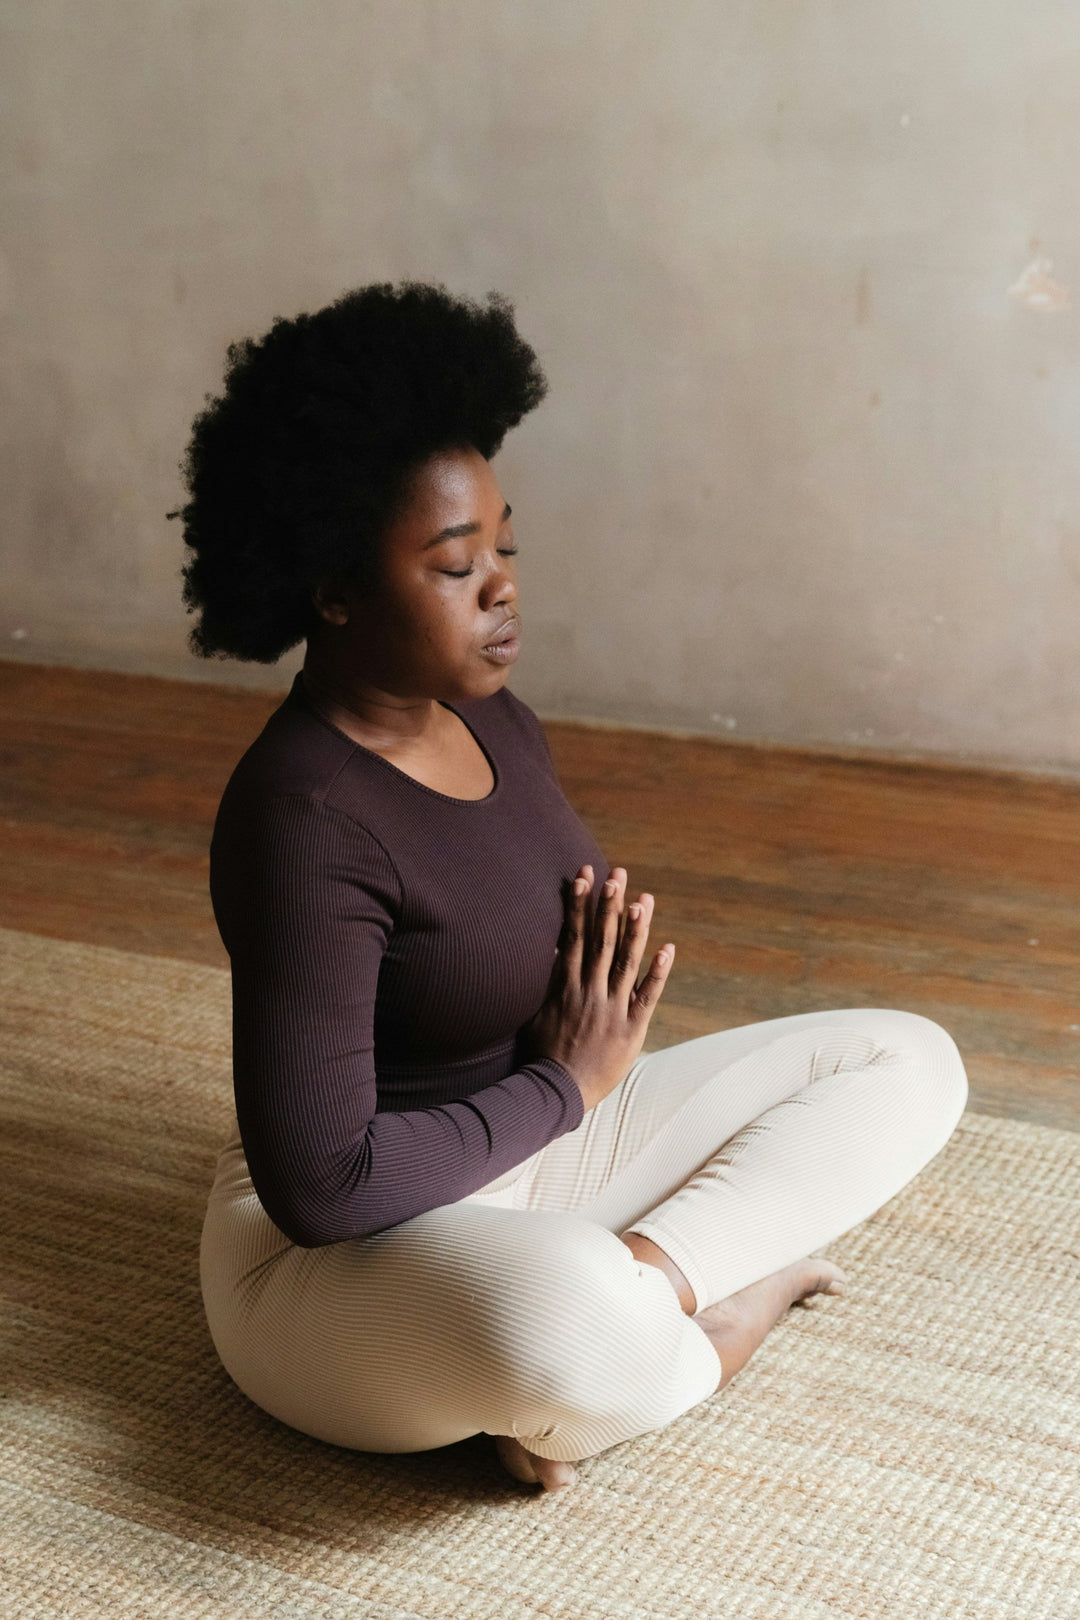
285,836
521,726
504,712
296,757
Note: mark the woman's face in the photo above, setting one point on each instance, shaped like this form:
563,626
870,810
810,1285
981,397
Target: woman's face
447,586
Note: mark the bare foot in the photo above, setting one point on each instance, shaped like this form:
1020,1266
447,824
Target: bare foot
738,1324
532,1470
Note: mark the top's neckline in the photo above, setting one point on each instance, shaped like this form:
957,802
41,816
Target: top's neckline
300,691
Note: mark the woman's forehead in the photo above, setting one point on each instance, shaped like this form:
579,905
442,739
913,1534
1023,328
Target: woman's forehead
453,490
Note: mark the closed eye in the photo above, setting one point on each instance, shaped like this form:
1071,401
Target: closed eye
463,573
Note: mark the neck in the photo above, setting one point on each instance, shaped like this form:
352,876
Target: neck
358,706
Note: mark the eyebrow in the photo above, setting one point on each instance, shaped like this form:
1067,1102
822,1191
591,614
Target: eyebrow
459,531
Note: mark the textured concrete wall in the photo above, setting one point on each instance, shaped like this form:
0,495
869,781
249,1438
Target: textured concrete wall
799,274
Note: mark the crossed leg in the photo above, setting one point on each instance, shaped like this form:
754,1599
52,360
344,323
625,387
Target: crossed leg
725,1161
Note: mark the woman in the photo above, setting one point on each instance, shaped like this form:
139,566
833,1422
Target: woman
458,1198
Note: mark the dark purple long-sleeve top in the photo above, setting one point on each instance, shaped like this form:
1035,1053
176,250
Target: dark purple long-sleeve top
387,943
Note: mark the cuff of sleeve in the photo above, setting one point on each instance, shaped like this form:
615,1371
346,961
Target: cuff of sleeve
558,1076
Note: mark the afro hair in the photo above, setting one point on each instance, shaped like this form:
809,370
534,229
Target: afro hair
295,471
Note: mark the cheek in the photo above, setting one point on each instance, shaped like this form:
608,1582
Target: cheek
443,615
416,606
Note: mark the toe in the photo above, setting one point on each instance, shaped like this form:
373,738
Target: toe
549,1472
555,1475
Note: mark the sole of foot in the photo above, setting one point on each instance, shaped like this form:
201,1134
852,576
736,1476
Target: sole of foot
523,1465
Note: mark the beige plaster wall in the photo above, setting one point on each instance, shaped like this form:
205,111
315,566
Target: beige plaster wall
810,466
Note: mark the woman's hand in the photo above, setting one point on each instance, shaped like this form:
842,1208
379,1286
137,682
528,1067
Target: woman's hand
595,1016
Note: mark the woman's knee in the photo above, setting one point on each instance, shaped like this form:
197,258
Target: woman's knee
934,1080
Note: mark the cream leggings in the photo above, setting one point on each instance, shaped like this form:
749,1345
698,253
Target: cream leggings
517,1310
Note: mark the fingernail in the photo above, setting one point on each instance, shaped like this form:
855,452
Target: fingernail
580,886
609,887
635,912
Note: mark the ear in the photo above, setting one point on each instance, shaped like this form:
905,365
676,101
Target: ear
330,601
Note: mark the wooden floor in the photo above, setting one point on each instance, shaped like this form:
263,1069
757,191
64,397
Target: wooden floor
789,881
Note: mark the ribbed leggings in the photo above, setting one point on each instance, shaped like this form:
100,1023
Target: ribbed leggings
517,1310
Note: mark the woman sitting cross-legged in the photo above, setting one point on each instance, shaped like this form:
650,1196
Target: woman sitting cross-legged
459,1199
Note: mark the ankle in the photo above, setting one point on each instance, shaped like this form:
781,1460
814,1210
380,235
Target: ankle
643,1248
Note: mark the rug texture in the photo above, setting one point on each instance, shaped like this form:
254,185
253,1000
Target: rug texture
911,1449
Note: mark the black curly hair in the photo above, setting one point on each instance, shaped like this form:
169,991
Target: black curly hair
296,469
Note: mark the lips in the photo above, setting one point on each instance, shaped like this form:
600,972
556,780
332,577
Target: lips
505,632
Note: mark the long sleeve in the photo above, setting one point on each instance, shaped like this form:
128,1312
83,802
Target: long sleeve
307,903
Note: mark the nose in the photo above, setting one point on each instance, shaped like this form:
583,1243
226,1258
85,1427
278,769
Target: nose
501,586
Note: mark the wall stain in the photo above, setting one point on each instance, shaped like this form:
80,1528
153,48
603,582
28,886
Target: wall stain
864,297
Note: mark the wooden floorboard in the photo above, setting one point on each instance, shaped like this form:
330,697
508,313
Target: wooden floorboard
789,881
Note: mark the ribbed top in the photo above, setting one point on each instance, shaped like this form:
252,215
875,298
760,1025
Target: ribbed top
387,944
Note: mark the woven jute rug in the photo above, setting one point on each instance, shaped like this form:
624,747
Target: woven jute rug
910,1449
